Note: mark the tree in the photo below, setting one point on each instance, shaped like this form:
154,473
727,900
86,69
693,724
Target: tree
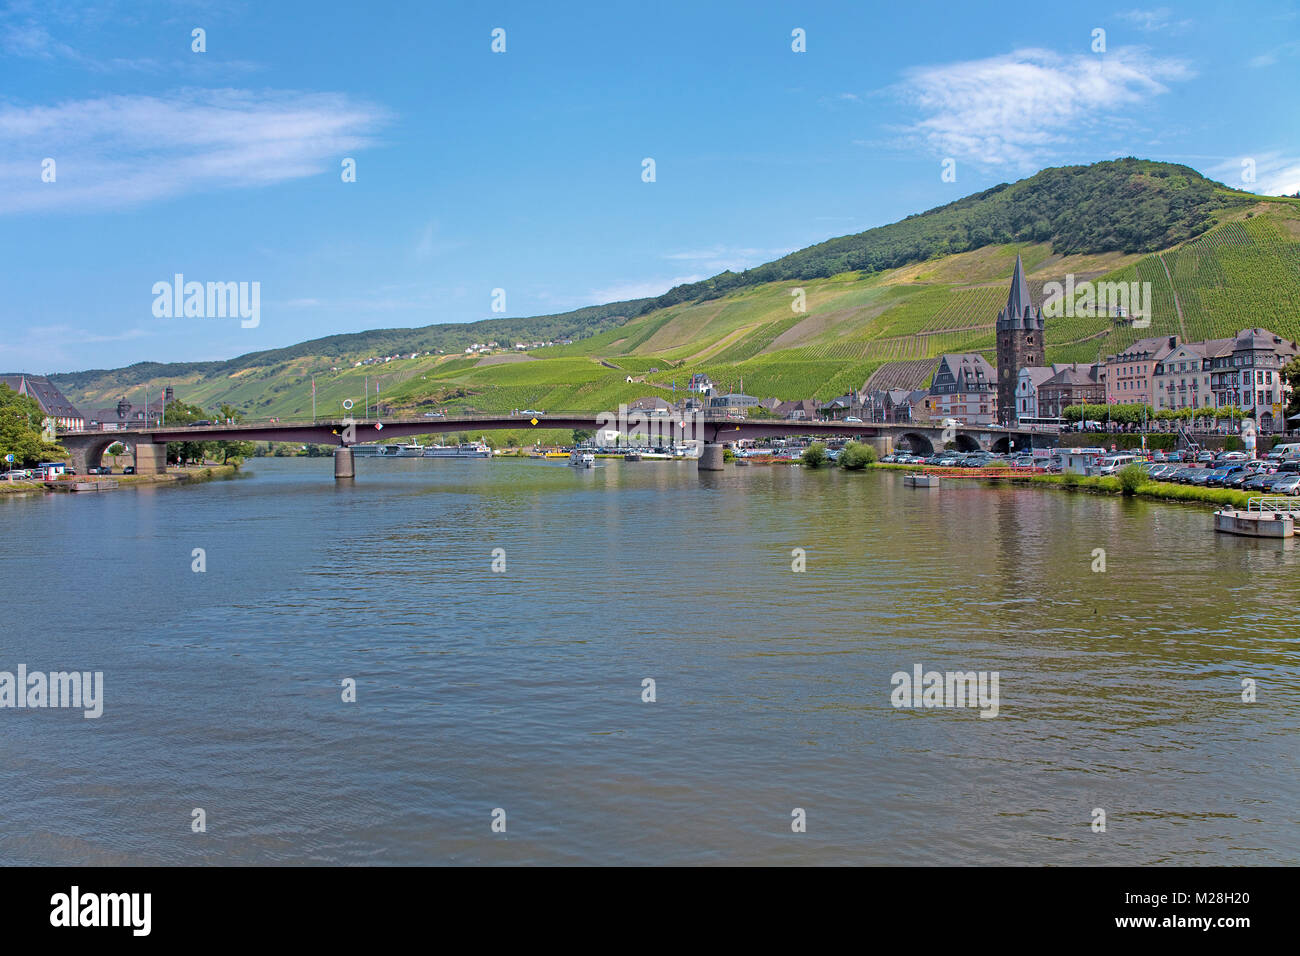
232,449
814,456
178,413
21,430
1132,477
1291,375
856,456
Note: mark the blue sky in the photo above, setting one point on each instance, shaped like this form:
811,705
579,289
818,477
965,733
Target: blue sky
522,170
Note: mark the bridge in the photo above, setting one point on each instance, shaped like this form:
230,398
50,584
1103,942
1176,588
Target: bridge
86,448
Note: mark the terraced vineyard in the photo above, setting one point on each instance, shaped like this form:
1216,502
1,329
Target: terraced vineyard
887,329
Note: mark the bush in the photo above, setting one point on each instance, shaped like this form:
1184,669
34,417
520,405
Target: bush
814,456
1070,479
1131,478
857,456
728,454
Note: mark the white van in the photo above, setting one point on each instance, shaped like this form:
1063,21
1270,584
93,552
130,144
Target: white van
1279,452
1111,464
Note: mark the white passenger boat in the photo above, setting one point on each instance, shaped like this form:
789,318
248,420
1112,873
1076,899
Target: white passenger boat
582,459
473,449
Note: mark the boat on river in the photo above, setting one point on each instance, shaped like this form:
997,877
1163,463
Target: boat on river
472,449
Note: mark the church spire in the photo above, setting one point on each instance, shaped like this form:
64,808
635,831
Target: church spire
1018,299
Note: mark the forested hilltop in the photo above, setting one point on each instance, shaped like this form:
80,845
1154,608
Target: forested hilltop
1125,205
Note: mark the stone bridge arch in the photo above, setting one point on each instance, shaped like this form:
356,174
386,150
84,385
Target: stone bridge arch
966,442
917,442
87,451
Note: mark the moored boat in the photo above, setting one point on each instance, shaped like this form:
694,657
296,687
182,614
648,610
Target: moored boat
474,449
1263,517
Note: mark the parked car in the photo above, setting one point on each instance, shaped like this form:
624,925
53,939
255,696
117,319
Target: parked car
853,420
1286,484
1219,476
1270,481
1205,456
1256,483
203,422
129,470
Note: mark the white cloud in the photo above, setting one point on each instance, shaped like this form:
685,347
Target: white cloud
721,258
41,348
1275,174
640,289
430,244
1017,108
1159,18
120,151
1270,57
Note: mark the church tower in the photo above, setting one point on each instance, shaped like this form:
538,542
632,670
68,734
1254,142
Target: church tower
1020,342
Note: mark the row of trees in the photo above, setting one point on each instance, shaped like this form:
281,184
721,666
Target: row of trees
178,452
1137,414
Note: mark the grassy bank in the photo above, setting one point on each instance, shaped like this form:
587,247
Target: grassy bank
175,476
1156,490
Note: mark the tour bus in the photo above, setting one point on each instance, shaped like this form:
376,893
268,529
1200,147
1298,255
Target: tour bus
1043,424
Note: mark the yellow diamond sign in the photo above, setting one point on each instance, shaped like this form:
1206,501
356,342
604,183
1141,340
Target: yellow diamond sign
534,421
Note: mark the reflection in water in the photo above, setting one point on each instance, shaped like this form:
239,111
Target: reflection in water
1119,690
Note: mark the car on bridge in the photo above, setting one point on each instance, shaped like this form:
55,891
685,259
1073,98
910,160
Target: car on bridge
853,420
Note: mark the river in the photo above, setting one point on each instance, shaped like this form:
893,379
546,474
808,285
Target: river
521,689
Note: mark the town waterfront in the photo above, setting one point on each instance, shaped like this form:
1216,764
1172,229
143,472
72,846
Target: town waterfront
522,689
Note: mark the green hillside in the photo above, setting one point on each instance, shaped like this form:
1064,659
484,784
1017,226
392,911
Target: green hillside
1222,261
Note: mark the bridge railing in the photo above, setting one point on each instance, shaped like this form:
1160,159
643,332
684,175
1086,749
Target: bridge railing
361,417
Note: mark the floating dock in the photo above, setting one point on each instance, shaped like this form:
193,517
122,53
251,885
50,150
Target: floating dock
1264,517
916,480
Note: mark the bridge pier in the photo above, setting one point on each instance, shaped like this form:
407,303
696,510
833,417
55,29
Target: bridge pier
883,444
710,457
344,463
150,457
